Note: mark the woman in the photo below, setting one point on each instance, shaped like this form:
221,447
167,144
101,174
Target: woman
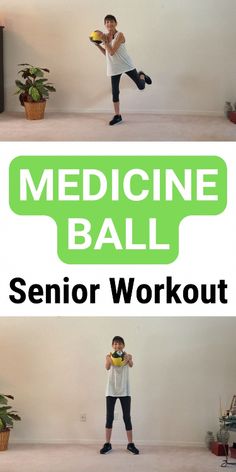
118,62
118,388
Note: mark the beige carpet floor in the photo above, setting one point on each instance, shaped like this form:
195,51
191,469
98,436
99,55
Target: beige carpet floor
73,458
135,127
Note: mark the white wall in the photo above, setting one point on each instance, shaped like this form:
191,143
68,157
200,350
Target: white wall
55,369
187,46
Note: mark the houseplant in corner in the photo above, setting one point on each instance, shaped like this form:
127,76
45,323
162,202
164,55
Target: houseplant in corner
33,90
7,418
230,111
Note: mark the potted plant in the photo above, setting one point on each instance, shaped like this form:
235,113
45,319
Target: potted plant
7,418
33,90
230,111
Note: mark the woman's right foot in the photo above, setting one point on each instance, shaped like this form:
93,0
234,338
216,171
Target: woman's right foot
148,79
106,448
115,120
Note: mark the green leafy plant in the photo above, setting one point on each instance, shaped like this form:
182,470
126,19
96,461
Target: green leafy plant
35,87
7,415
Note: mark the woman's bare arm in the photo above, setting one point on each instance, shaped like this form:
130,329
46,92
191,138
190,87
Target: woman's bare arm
118,41
101,49
108,362
128,360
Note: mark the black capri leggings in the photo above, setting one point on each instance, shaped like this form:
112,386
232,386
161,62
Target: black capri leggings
115,83
125,404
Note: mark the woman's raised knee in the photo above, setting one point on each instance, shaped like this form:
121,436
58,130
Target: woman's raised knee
141,86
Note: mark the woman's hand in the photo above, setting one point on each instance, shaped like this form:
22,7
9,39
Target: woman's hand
128,359
108,361
105,38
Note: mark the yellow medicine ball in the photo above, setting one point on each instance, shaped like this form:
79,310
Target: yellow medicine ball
117,361
95,36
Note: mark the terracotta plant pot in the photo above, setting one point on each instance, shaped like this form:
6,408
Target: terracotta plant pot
233,452
232,116
35,110
4,438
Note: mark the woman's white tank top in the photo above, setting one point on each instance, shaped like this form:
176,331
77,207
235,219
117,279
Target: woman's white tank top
120,62
118,382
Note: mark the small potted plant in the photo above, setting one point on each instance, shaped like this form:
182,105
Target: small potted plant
34,90
7,418
230,111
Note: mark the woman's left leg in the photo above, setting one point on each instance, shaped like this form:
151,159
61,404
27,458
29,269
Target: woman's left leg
126,405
